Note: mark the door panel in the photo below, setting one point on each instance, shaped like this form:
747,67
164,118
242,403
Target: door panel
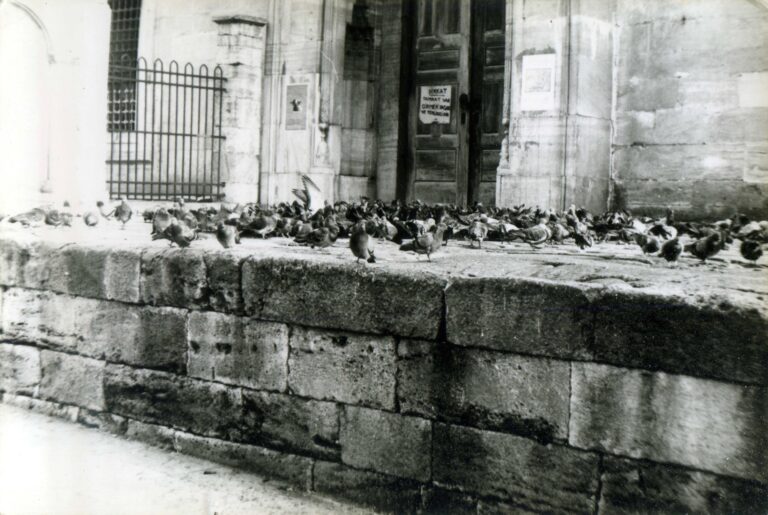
439,152
460,44
487,83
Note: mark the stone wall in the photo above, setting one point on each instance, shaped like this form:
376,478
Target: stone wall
692,107
402,390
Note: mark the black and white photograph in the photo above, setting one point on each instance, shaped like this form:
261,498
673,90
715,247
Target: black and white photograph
383,256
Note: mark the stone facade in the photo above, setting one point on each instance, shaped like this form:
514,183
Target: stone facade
434,406
652,104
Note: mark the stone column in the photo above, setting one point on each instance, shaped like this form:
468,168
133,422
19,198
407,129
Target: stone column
326,162
559,149
241,46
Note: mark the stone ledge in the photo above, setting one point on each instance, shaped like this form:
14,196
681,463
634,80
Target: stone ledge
549,303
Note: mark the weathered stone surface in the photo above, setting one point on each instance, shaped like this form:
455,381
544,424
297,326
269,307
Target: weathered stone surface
308,293
543,319
19,369
643,487
238,350
670,418
209,409
72,379
225,281
88,271
440,500
103,421
683,336
152,434
355,369
289,423
52,409
294,469
174,278
386,442
378,491
492,390
548,478
145,336
98,272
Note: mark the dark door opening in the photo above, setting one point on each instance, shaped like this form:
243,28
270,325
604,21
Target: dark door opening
454,110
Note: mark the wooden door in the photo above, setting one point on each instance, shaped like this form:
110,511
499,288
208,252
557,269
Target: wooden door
438,112
486,102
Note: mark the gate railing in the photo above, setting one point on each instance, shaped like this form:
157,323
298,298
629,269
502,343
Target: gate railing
165,133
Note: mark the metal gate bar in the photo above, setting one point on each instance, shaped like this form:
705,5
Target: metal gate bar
165,131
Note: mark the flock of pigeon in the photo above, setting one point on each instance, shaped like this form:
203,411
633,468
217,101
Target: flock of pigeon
425,229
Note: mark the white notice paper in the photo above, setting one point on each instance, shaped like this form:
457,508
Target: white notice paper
538,83
435,104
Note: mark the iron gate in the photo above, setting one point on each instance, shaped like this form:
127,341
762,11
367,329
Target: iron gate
165,134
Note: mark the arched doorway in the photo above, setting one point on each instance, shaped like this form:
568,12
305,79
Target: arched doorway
24,107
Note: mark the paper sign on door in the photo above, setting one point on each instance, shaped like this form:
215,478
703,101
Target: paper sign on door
435,104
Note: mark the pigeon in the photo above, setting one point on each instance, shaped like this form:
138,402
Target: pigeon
91,218
177,233
160,220
123,211
535,235
320,238
477,232
751,250
263,224
54,218
649,244
226,234
361,243
427,243
34,217
583,240
707,247
671,250
311,196
103,210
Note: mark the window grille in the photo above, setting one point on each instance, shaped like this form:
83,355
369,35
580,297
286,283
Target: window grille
123,52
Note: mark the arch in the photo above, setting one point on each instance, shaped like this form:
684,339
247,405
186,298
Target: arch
38,22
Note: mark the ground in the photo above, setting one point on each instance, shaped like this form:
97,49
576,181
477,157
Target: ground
48,465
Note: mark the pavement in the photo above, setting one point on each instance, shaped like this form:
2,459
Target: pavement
51,466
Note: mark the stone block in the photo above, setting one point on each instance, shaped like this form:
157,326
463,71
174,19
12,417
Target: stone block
354,369
541,478
492,390
173,277
209,409
238,350
290,423
152,434
224,281
14,255
95,272
539,318
645,487
51,409
19,369
307,293
386,442
699,423
116,332
296,470
103,421
379,491
441,500
72,379
715,337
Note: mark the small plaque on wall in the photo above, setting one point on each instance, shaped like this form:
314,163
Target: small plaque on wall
296,107
538,83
